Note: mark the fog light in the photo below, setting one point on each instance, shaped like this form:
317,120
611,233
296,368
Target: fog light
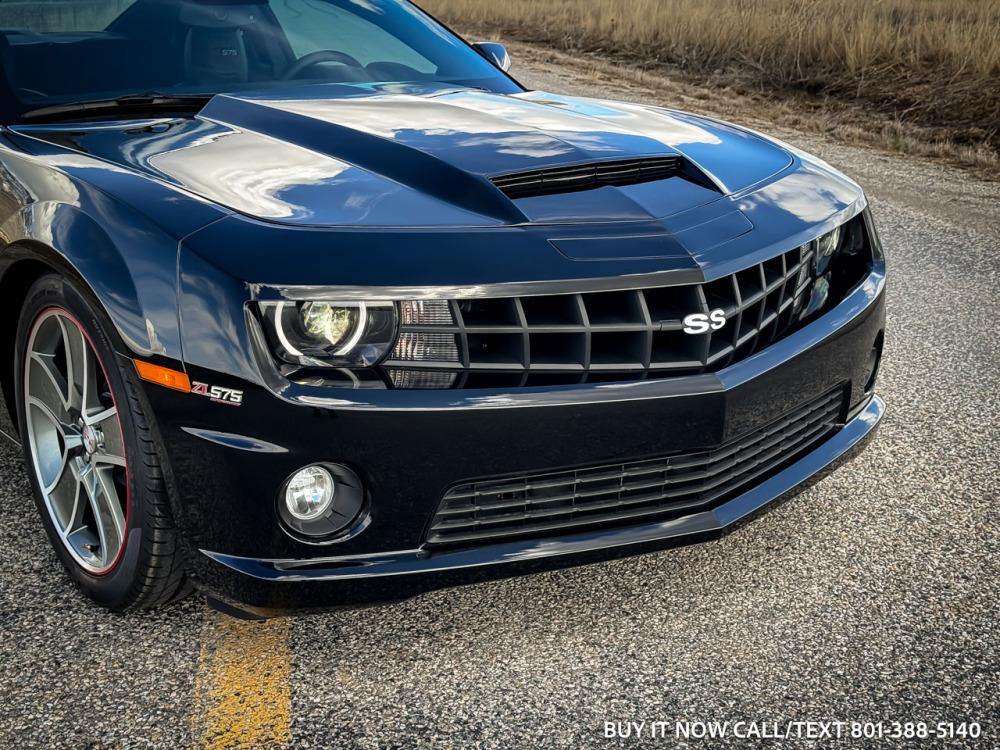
322,502
310,493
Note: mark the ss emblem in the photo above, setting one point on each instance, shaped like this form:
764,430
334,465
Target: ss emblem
698,323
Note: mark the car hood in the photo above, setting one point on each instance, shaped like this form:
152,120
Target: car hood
390,156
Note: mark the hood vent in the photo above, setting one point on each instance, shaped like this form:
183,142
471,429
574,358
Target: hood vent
580,177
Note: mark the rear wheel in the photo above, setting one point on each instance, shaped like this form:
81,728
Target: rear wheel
92,459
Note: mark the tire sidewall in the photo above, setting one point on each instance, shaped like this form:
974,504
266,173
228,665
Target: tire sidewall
114,588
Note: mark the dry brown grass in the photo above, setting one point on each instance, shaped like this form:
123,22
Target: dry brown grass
933,63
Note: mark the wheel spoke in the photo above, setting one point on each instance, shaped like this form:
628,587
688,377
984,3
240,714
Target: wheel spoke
43,408
112,516
58,478
47,442
48,384
78,535
64,497
109,459
108,516
74,361
82,371
112,449
98,418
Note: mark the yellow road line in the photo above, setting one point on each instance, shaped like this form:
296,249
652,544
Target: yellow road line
242,689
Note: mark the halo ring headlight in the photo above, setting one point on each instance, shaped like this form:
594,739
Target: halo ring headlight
329,333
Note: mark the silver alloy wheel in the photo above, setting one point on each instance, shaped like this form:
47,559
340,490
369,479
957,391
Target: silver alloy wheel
76,441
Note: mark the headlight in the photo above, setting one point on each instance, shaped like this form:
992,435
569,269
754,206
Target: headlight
826,247
827,269
330,334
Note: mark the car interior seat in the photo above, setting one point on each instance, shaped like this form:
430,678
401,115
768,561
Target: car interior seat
215,50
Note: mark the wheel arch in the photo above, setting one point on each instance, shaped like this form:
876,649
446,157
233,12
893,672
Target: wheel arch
58,237
24,263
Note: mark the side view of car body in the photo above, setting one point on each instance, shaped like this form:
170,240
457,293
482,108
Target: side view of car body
309,304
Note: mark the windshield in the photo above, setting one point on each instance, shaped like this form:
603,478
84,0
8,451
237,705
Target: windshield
56,52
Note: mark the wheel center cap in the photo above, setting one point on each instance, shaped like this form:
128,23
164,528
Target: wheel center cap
91,440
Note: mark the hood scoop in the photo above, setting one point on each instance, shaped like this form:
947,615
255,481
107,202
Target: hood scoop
581,177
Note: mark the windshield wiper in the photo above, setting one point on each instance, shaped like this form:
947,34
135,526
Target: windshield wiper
130,104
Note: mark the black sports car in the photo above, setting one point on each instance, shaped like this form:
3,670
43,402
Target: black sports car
308,303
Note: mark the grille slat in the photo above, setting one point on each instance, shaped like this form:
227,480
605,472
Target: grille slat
606,495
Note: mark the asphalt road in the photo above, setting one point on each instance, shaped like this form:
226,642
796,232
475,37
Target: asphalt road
871,597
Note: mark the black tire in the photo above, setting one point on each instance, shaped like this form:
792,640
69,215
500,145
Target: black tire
150,569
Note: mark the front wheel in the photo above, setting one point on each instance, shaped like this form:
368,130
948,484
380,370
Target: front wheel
92,459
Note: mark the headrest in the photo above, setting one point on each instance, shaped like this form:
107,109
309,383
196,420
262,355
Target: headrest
215,56
218,15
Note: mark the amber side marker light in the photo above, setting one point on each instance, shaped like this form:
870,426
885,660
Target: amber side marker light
163,376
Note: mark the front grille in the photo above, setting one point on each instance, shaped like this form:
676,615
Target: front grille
574,338
660,488
617,336
581,177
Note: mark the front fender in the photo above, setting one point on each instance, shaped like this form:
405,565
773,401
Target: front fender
117,231
132,275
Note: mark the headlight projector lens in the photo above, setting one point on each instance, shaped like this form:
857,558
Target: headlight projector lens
321,500
328,323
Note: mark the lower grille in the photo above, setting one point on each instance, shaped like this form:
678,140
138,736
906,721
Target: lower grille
645,490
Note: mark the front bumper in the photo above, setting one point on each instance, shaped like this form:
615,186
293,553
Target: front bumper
360,580
410,447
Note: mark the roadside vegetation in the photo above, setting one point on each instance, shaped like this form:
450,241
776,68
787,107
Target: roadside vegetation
932,66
